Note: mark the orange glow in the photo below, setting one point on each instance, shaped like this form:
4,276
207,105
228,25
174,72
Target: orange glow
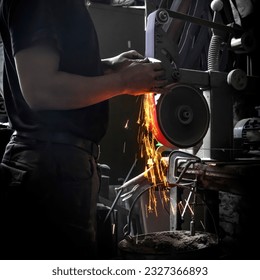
152,123
155,166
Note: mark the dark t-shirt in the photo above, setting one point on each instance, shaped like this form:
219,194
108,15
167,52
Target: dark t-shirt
68,23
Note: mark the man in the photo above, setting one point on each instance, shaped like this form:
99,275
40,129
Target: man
56,92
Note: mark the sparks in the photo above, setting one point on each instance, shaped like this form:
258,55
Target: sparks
155,165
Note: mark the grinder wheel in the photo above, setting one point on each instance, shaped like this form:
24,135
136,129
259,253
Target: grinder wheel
183,116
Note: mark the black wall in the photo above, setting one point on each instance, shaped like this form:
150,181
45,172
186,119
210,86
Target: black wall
120,29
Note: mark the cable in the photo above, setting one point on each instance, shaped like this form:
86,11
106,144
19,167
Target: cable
128,225
120,190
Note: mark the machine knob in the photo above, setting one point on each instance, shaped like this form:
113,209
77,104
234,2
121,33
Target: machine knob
162,16
216,5
237,78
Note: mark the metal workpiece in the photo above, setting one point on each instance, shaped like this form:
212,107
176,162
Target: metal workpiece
176,159
188,171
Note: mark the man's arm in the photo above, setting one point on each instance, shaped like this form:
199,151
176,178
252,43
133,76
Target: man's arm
46,88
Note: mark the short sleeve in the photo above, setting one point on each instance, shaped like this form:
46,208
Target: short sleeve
32,20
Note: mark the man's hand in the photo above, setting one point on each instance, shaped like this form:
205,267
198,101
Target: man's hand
122,60
142,77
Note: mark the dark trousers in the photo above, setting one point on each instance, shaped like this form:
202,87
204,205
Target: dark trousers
48,198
